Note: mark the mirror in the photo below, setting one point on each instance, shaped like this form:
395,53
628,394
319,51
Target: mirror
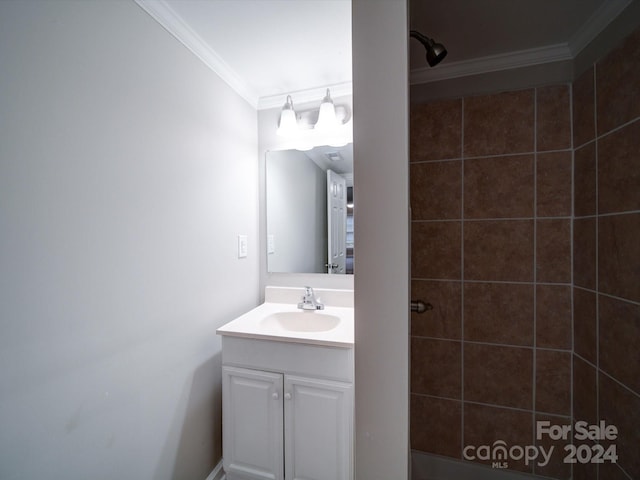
310,210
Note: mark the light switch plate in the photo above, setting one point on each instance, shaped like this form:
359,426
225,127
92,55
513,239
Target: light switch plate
242,246
271,244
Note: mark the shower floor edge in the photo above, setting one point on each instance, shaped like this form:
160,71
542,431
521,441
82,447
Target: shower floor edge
425,466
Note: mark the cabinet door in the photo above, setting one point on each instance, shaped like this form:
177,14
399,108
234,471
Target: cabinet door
252,424
318,429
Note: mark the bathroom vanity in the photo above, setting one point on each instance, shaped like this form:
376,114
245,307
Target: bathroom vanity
287,383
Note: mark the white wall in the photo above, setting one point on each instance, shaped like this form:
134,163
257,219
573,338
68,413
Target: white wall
127,169
380,97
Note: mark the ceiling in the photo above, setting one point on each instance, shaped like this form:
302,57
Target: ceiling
266,49
472,29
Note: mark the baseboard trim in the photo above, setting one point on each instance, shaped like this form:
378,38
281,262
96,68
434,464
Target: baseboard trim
217,473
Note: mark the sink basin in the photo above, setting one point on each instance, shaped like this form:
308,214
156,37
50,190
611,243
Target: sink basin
278,320
301,321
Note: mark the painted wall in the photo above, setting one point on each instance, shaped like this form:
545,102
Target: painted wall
297,204
381,162
127,169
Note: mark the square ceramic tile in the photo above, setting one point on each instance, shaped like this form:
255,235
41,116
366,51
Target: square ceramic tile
499,313
499,187
435,130
498,375
436,190
501,123
498,250
553,118
553,184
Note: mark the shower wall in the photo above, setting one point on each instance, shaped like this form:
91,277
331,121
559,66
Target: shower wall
492,199
606,362
491,250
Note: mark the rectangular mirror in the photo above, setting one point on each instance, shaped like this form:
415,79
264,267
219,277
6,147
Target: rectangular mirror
310,210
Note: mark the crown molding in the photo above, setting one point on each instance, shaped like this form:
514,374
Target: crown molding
492,63
303,96
595,24
160,11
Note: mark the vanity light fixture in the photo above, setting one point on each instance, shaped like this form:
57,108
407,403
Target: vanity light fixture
288,124
328,125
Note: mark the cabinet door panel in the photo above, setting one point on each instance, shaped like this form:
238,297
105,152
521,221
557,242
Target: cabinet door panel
252,424
318,429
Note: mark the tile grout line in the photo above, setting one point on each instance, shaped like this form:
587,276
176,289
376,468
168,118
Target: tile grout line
462,444
612,378
498,219
616,129
580,147
535,269
604,294
597,136
573,200
589,363
600,136
500,155
611,214
491,405
507,282
491,344
597,283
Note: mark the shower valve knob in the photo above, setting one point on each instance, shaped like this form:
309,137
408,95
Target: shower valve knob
419,306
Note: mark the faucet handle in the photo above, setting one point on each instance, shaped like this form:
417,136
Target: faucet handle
309,300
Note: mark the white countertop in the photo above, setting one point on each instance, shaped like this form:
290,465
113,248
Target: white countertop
250,325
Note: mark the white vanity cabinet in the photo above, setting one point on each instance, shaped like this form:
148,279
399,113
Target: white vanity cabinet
252,419
287,410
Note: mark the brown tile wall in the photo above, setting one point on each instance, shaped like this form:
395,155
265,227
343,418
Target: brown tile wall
491,200
526,240
606,254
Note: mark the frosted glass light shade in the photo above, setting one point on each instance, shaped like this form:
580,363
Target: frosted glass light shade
327,119
288,125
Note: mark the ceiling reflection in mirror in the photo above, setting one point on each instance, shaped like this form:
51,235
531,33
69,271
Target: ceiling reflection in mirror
309,199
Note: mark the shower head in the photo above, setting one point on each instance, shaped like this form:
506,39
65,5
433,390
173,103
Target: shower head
435,51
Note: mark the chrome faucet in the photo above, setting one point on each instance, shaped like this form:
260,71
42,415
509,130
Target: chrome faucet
309,301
